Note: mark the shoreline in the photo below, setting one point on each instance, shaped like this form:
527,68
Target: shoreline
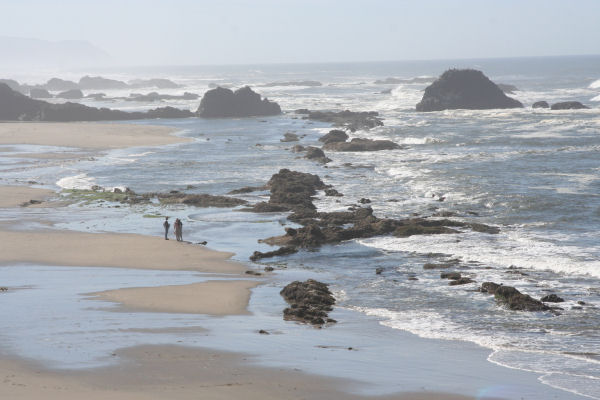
150,362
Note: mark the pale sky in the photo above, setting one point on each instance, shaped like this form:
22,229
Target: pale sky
186,32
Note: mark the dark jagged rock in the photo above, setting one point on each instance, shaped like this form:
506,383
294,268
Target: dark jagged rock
36,93
56,84
289,137
569,105
310,302
316,154
364,201
515,300
154,96
417,229
199,200
72,94
223,103
298,148
464,89
334,135
348,119
15,106
489,287
100,83
292,83
540,104
357,144
460,281
263,207
247,189
158,83
282,251
168,112
438,265
507,88
552,298
378,270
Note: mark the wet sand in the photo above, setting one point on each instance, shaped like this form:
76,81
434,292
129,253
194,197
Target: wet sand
16,196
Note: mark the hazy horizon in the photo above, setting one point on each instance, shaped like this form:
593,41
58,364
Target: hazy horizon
240,32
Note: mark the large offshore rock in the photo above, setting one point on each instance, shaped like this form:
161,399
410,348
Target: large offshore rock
37,93
57,84
72,94
244,102
464,89
357,144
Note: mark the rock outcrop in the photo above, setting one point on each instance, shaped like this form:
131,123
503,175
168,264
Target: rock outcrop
569,105
282,251
310,302
515,300
357,144
552,298
15,106
289,137
244,102
464,89
316,154
350,120
540,104
72,94
334,135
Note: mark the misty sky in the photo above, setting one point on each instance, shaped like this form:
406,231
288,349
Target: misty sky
264,31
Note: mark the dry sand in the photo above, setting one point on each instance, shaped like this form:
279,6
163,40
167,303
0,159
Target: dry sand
15,196
111,250
86,135
175,372
211,297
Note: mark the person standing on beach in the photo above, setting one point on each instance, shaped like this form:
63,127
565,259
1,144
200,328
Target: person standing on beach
166,226
178,227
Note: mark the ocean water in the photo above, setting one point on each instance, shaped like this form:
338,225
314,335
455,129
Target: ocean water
535,174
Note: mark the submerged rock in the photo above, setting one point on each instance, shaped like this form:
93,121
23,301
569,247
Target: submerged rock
310,302
357,144
198,200
569,105
223,103
464,89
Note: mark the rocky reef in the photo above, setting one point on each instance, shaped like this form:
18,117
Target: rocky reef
464,89
244,102
310,302
358,144
350,120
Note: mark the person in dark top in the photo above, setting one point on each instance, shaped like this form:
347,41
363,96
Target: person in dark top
166,225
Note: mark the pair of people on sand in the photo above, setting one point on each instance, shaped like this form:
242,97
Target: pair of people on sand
177,227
